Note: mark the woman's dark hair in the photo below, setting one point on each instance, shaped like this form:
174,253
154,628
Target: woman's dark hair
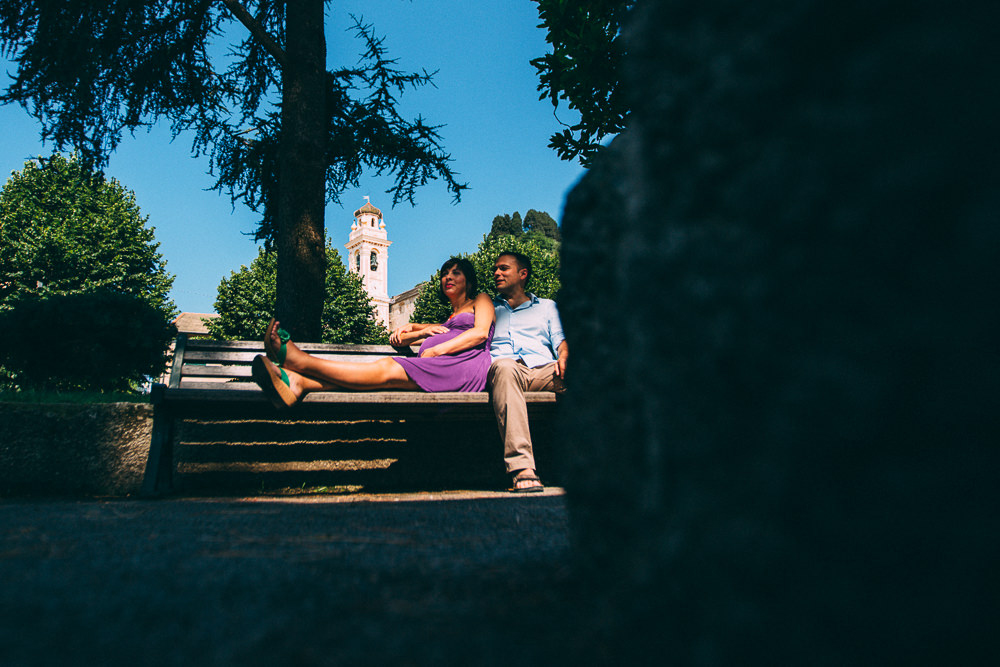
467,269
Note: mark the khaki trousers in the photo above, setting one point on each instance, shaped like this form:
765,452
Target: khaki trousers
508,380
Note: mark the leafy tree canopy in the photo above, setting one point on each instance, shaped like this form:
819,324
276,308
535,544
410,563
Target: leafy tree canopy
544,273
246,302
65,229
583,69
80,280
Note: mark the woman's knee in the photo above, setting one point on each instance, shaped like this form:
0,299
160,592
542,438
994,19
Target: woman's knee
389,370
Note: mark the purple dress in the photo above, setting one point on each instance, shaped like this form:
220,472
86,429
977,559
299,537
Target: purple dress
462,371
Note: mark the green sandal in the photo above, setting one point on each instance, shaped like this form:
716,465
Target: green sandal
274,381
276,354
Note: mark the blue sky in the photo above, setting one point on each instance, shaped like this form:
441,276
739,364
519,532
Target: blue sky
496,130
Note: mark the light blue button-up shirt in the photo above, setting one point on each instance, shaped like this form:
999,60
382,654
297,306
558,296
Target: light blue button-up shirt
531,332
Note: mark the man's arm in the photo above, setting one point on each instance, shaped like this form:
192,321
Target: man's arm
556,334
561,361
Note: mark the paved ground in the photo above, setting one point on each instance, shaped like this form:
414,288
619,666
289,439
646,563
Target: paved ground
414,579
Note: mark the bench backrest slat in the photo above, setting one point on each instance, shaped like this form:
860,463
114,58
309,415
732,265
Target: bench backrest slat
201,361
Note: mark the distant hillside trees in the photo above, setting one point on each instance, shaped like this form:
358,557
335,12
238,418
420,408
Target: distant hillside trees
506,224
80,280
542,223
535,223
246,301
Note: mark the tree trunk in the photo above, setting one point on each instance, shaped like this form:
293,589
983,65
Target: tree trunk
302,197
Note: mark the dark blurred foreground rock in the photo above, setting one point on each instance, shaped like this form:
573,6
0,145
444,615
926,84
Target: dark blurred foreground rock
781,301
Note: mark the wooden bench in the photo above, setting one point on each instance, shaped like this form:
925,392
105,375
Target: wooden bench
211,379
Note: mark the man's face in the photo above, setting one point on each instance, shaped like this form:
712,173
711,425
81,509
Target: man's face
507,275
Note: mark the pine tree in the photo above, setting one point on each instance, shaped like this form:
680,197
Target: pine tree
284,134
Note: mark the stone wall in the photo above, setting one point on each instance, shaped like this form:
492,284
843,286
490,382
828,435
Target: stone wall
73,450
783,421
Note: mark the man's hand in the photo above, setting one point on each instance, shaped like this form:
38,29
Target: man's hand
561,361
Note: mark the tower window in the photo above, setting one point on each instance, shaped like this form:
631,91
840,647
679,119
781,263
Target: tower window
374,261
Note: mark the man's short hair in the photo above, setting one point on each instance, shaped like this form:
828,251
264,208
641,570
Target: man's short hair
523,262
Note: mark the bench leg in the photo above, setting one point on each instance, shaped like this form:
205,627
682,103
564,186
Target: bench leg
159,477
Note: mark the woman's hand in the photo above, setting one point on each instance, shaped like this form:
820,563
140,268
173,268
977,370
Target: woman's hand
410,333
431,352
396,337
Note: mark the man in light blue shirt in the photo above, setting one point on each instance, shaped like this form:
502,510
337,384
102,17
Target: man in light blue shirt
529,354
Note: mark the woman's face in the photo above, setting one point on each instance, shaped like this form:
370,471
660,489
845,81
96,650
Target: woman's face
453,283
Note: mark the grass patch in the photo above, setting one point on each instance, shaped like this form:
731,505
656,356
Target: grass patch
36,396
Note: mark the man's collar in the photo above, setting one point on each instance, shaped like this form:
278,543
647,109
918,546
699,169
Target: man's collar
500,298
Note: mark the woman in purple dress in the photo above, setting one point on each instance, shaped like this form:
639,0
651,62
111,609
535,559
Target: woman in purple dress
454,355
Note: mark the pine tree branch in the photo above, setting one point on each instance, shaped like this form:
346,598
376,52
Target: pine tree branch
257,30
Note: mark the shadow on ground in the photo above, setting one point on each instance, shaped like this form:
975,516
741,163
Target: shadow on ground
482,580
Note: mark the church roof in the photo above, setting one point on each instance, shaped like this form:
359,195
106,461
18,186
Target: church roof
368,208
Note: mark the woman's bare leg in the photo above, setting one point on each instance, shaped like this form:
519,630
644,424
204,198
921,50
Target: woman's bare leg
331,375
327,374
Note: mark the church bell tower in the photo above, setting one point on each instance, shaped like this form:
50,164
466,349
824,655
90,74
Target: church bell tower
368,256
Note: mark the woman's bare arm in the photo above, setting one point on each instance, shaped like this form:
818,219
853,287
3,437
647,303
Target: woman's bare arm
408,334
480,331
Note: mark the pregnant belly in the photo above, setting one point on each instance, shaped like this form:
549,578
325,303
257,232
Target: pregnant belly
437,339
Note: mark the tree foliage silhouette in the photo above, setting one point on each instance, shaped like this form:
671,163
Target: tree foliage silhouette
583,70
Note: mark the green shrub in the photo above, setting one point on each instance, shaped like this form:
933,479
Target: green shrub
100,340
